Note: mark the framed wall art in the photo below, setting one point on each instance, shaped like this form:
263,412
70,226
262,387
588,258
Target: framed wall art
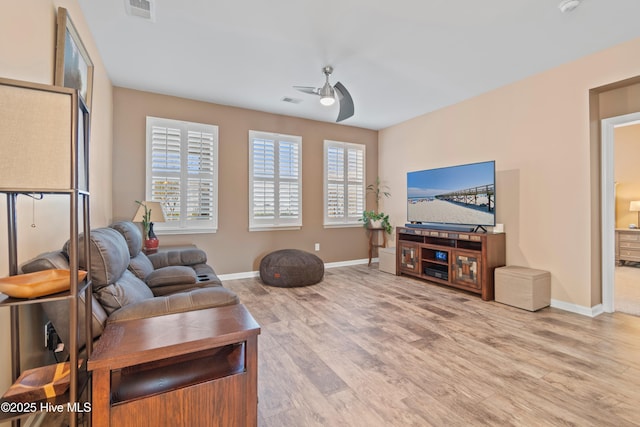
74,68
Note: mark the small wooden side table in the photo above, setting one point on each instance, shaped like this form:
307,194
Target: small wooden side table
197,368
374,242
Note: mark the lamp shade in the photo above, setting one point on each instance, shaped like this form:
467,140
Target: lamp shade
38,137
634,206
155,209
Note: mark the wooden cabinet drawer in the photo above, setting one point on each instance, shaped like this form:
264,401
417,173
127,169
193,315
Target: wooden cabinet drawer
629,255
629,237
629,245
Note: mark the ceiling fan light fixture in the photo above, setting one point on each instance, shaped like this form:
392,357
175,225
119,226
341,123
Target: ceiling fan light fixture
327,95
327,100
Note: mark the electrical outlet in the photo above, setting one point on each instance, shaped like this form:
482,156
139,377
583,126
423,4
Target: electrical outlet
51,339
46,333
317,246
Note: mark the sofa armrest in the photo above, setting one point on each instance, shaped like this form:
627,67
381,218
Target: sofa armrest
195,299
178,257
173,277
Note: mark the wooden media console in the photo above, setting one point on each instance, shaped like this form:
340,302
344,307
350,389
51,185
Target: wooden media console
462,260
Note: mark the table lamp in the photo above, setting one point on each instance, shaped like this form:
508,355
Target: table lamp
149,212
635,207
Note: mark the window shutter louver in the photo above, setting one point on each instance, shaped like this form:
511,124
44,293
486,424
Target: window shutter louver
165,165
288,191
335,185
263,153
355,184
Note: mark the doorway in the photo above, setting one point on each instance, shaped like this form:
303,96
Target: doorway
608,201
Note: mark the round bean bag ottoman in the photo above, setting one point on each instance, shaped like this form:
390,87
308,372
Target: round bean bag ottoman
289,268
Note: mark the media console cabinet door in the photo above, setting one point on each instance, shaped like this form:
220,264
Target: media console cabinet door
409,258
467,268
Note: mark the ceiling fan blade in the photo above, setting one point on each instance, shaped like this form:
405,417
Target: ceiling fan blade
308,89
346,102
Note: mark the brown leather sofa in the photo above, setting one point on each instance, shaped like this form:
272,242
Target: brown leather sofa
127,284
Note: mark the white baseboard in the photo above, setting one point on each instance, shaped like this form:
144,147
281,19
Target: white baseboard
242,275
348,263
250,274
594,311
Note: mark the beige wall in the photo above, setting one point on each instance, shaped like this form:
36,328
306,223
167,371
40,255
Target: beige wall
233,249
27,51
539,132
627,173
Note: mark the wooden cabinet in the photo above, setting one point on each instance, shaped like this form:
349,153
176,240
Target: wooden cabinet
627,245
458,259
197,368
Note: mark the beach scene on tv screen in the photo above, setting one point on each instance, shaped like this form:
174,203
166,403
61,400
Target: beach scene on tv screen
455,195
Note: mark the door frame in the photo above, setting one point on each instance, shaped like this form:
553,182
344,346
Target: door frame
608,201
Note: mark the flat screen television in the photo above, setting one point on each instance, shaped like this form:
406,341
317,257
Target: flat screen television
456,195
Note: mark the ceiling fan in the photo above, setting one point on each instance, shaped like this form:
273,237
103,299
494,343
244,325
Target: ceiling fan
328,94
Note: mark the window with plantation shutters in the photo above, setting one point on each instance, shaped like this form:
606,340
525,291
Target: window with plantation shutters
344,186
182,174
275,181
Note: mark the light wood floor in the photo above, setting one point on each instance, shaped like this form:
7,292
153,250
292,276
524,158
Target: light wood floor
366,348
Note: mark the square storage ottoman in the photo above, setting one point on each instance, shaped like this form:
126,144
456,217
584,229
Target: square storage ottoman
387,260
523,287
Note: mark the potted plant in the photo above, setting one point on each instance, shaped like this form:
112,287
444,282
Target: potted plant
379,191
150,238
373,219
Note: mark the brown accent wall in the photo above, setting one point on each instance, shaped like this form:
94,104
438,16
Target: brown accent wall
233,249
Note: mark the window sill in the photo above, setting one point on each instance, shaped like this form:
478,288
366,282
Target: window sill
276,228
170,231
350,225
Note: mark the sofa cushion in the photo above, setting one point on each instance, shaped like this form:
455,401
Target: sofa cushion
128,289
172,275
140,266
131,234
195,299
109,256
58,312
46,261
191,256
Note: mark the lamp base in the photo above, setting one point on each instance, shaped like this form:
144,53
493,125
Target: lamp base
151,244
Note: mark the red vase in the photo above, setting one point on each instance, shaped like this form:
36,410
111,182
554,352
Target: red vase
151,244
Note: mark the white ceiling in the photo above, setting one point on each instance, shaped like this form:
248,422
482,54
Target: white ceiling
398,59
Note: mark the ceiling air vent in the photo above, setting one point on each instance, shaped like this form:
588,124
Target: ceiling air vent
292,100
144,9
